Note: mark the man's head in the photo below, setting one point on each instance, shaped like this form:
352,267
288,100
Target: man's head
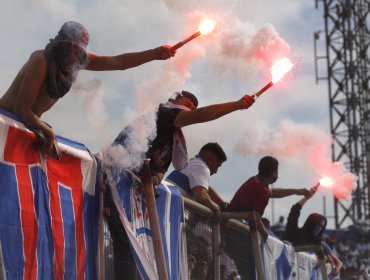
185,98
66,55
268,169
74,32
213,155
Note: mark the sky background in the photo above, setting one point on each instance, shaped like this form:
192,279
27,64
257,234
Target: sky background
289,121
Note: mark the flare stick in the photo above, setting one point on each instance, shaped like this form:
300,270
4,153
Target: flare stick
262,90
183,42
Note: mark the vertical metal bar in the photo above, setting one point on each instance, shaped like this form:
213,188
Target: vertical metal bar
101,252
256,249
153,221
216,250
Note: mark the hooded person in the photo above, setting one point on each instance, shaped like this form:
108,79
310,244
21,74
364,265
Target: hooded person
311,234
313,228
49,74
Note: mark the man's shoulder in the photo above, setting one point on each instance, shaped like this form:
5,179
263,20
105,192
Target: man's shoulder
197,166
37,57
197,161
38,54
167,114
250,183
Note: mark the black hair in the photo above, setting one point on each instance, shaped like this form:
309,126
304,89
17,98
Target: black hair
216,149
188,95
267,166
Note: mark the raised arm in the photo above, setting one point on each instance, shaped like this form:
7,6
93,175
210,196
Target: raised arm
279,193
292,223
212,112
312,191
128,60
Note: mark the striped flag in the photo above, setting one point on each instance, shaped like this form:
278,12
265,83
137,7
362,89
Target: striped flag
48,207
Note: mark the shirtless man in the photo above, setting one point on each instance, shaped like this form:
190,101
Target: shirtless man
49,74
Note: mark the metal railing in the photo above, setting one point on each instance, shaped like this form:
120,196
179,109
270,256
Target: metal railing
225,250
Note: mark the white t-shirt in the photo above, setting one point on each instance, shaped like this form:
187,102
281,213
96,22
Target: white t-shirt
197,172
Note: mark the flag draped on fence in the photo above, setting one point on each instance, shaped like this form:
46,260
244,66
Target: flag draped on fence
281,262
133,213
49,209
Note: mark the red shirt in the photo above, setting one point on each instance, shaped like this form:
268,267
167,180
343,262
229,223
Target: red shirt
251,196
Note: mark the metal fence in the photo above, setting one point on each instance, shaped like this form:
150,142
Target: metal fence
210,257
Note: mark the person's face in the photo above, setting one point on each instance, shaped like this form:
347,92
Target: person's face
187,102
213,163
319,228
275,176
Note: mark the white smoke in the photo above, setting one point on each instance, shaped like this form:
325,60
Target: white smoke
139,133
92,95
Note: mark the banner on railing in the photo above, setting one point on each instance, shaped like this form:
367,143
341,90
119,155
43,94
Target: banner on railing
48,208
133,214
281,262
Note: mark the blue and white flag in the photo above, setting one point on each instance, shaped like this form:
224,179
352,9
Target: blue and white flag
133,214
49,209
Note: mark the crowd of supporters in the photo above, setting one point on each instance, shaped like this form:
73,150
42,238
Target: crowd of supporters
350,245
353,247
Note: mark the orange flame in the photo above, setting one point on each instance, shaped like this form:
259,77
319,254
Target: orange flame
206,26
326,182
280,68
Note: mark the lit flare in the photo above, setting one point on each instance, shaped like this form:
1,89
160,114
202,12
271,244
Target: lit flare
326,182
205,26
278,71
280,68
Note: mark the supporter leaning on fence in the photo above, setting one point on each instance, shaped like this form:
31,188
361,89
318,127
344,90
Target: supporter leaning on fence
193,180
255,193
167,147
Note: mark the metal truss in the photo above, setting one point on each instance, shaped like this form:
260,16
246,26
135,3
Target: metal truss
347,39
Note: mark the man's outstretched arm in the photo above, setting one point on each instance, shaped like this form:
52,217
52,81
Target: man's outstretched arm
128,60
279,193
212,112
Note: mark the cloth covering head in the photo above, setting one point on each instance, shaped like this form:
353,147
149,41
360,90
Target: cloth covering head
66,55
185,94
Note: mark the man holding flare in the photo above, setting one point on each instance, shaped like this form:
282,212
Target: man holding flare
50,72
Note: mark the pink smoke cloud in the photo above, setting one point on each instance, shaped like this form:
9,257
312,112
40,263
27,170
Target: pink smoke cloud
304,142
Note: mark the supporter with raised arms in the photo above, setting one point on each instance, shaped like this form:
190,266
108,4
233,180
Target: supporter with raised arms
169,146
49,74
